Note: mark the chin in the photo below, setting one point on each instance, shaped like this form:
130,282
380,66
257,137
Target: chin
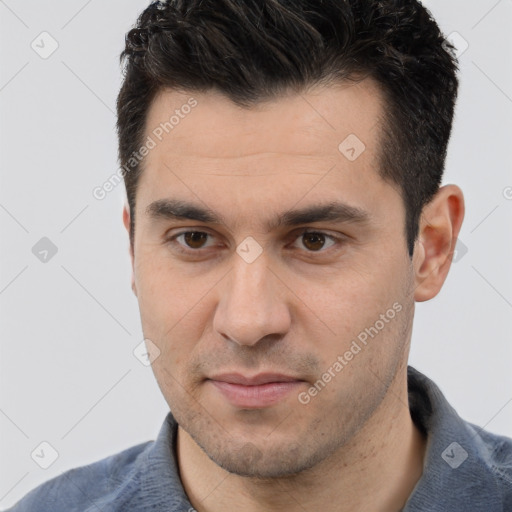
267,462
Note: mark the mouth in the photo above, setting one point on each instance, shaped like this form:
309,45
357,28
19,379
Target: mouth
256,392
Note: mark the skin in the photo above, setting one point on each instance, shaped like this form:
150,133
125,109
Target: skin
294,309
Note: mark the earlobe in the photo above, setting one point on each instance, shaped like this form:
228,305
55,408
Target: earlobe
439,228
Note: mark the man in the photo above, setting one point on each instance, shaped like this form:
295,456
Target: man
283,162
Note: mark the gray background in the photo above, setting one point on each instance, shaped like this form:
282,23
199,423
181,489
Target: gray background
69,325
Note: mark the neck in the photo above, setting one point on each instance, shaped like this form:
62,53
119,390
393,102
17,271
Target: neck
376,470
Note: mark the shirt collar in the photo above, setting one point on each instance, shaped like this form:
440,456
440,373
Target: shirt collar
160,480
457,473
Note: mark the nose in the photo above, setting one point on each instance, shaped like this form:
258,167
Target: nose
252,303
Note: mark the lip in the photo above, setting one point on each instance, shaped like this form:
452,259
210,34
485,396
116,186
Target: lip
256,392
256,380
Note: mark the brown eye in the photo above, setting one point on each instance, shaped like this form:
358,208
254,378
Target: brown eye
195,239
313,241
316,241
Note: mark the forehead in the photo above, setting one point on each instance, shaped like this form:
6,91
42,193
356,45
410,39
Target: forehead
312,123
314,148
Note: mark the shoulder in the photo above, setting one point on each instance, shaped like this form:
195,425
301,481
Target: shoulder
466,467
89,488
496,452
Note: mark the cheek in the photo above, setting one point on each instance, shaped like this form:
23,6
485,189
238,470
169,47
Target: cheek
177,311
353,299
361,312
166,293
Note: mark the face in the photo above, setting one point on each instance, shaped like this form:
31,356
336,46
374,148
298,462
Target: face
272,274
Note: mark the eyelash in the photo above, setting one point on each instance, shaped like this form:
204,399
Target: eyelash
182,249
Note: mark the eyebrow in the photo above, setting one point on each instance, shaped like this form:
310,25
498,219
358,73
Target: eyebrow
174,209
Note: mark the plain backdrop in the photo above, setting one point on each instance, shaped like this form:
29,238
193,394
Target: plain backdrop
69,325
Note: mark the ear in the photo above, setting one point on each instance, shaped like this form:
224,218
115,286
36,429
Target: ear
439,228
126,222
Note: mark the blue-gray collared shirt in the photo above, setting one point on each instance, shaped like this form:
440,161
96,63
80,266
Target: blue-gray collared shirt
466,469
